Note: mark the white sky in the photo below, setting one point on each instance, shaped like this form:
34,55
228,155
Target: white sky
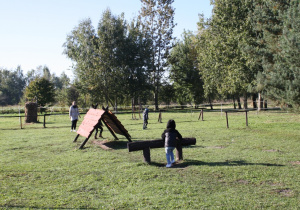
32,32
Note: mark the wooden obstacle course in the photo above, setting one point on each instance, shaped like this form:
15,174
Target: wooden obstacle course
246,113
159,143
91,120
201,114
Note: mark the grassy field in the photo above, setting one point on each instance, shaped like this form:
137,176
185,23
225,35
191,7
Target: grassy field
241,167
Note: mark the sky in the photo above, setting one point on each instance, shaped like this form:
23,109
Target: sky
32,32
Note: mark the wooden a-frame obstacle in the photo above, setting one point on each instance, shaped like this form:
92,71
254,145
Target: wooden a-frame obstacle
91,120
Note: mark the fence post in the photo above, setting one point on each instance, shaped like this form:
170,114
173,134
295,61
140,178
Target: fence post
44,120
21,121
227,119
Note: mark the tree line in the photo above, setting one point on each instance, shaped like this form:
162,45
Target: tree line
245,49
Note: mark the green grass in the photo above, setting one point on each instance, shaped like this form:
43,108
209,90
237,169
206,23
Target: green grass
241,167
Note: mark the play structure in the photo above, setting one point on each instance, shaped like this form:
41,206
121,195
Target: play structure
91,122
159,143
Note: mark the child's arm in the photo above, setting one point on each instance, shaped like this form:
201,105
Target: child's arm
163,136
179,135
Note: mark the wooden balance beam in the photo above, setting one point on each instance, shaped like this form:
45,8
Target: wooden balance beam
159,143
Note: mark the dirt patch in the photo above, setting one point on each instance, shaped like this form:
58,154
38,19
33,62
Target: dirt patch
295,163
216,147
284,192
271,150
241,181
102,144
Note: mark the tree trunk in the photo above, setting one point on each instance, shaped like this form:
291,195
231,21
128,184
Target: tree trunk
245,101
239,102
234,105
265,104
254,97
210,104
260,102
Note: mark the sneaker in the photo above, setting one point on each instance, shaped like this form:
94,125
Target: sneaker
173,161
71,130
168,165
74,130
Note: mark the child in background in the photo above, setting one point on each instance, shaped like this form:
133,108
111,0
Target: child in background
145,118
74,114
169,136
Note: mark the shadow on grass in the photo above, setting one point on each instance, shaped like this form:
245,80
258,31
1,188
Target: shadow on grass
187,163
114,144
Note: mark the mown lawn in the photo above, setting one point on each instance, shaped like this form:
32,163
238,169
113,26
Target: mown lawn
237,168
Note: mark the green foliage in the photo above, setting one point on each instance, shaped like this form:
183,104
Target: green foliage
284,77
12,84
167,93
222,61
112,64
184,71
157,20
255,167
40,90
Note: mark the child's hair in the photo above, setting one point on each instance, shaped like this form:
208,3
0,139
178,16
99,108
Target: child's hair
171,124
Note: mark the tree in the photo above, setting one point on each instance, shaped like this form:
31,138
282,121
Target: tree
167,93
81,47
12,84
157,19
135,63
277,23
112,64
224,63
184,70
41,90
61,85
285,81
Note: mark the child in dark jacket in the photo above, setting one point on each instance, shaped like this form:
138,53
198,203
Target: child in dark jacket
170,136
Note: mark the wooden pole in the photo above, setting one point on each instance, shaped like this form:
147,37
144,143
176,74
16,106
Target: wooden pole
110,130
125,134
76,138
227,119
246,118
146,154
85,141
179,155
159,117
44,120
140,107
158,143
21,121
199,115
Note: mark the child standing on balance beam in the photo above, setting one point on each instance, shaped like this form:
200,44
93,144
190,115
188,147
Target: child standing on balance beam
170,136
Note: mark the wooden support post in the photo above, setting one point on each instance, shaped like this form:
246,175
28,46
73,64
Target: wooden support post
44,120
21,122
227,119
159,117
125,134
179,155
146,153
85,141
201,114
76,138
110,130
246,118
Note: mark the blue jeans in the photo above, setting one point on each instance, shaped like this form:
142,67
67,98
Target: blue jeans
169,154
